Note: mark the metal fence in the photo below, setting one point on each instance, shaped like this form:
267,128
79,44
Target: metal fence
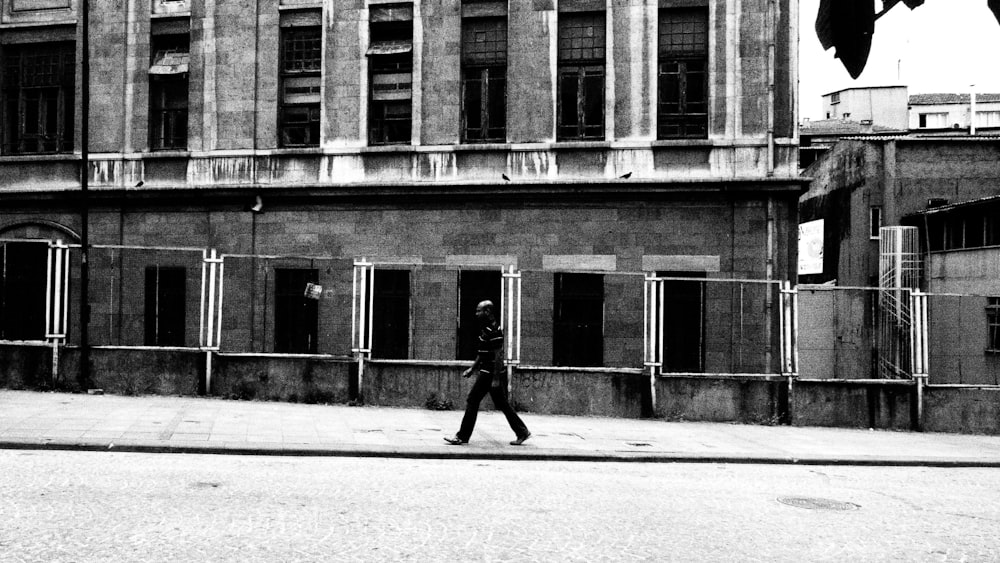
856,332
409,310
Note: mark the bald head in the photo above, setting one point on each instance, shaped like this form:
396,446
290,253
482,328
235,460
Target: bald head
484,312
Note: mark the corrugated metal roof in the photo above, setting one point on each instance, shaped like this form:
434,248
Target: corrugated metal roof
960,204
936,99
841,127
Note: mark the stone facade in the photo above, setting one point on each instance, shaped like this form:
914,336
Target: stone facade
725,204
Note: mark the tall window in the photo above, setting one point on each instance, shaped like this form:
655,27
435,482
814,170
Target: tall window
484,80
38,93
165,301
296,316
684,326
475,286
390,65
578,326
168,92
23,268
301,61
875,222
682,108
993,324
581,76
391,315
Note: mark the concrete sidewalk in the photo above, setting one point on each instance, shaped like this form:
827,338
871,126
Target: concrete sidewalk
33,420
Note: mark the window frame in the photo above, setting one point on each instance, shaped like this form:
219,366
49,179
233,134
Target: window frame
52,135
307,126
686,122
584,66
475,286
391,314
390,114
579,300
992,311
481,71
155,310
875,222
161,115
296,317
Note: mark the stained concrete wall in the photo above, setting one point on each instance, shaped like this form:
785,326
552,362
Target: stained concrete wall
303,380
969,410
725,399
854,405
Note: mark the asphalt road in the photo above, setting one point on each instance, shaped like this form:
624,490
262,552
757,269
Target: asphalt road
95,506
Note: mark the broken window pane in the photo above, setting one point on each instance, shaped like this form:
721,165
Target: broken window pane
683,77
37,83
581,76
301,63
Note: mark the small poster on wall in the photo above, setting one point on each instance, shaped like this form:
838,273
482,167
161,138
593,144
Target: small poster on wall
811,247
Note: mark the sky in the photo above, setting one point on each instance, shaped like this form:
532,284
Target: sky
943,46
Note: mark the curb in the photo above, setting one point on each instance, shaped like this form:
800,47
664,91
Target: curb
471,454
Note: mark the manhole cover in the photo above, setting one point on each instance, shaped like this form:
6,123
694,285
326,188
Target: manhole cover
813,503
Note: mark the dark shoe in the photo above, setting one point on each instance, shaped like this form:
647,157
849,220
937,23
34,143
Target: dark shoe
456,441
521,440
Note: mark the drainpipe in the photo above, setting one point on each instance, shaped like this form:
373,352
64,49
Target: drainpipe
771,31
83,378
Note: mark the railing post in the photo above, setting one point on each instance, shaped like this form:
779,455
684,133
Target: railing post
211,335
921,357
56,300
510,289
652,330
361,325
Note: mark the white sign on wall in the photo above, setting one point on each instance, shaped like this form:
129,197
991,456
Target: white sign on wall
811,247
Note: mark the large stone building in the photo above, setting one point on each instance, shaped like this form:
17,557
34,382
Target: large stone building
442,140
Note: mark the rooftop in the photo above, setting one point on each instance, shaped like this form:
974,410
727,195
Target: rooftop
935,99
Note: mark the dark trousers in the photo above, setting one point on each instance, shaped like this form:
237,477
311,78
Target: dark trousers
482,387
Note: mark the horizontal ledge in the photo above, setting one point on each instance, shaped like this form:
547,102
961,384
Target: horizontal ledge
702,375
903,382
276,355
630,371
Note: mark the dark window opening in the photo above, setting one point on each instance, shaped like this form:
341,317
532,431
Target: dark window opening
992,228
683,323
22,291
475,286
168,92
682,108
578,324
484,80
581,76
296,317
299,107
391,315
165,306
974,230
875,222
993,324
390,64
38,86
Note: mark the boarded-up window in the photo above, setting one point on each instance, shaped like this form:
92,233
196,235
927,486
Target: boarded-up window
390,64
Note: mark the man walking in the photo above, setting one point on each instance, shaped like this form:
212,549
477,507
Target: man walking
489,379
